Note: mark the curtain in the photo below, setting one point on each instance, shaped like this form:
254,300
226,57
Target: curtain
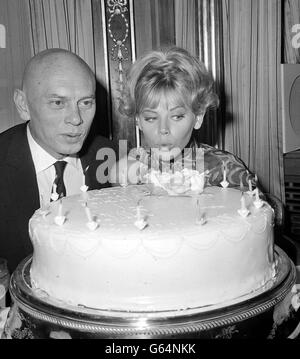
198,30
65,24
186,30
252,57
240,43
154,24
14,54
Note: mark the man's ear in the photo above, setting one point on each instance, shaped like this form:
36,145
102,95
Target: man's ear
199,120
21,105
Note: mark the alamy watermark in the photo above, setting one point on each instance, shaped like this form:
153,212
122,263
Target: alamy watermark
2,37
296,38
108,157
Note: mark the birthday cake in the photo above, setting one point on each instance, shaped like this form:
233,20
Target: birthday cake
124,248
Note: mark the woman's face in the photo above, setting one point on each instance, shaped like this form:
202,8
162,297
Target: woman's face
168,127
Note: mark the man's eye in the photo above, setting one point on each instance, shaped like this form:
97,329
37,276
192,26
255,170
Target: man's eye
86,103
57,103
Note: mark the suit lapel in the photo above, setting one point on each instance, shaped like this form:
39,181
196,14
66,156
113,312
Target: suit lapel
23,180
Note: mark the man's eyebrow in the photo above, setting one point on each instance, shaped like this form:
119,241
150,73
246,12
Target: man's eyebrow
55,95
64,97
87,97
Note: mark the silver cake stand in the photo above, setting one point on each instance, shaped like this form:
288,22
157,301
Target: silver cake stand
266,313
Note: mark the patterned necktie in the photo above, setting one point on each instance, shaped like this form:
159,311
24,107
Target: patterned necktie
58,184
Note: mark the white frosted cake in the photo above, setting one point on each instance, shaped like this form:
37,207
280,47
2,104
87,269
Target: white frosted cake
152,253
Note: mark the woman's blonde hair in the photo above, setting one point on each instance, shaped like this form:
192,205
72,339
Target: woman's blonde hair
174,72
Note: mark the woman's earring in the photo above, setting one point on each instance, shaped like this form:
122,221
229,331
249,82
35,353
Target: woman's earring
198,123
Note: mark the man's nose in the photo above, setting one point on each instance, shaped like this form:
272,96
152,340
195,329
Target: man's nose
74,116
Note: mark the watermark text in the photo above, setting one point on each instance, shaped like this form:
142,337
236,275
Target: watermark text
296,38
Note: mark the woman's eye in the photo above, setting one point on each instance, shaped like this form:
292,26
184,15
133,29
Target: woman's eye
178,117
150,119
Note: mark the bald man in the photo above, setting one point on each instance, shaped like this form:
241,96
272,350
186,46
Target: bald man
57,103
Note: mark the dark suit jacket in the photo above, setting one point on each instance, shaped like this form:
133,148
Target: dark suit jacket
19,195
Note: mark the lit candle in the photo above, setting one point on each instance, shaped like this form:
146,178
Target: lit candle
172,173
88,212
140,223
91,223
54,196
224,183
137,135
258,203
84,187
243,203
85,171
123,179
60,209
250,185
149,160
138,213
138,159
257,195
241,184
194,158
140,172
200,219
60,219
224,172
243,211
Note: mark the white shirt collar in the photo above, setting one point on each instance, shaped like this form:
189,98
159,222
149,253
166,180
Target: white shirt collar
43,160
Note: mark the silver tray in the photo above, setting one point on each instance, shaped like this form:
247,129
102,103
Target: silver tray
43,315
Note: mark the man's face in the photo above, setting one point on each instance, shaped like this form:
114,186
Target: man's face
62,108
